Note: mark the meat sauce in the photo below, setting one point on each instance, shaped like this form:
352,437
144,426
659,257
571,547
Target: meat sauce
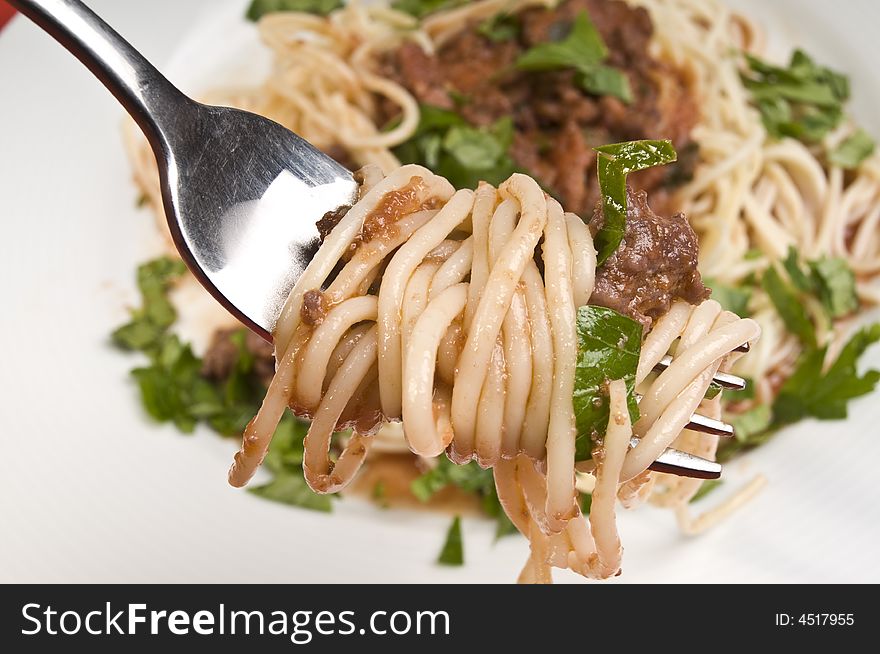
556,123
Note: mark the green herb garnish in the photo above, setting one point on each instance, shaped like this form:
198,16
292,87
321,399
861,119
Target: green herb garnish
713,391
835,285
421,8
500,27
379,494
789,307
705,488
259,8
609,345
824,393
465,155
731,298
615,162
586,503
150,322
453,550
470,478
583,50
853,150
173,388
829,279
284,461
804,101
813,390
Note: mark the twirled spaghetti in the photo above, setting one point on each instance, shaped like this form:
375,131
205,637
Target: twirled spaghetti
440,317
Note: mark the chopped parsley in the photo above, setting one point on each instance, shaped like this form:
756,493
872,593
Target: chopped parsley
787,302
853,150
173,388
805,101
584,51
453,549
814,390
284,461
609,345
259,8
731,298
447,144
705,488
422,8
817,388
500,27
823,393
470,478
830,280
149,323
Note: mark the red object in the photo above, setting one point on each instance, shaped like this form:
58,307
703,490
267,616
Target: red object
6,13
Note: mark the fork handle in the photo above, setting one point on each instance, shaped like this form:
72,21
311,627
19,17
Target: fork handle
153,101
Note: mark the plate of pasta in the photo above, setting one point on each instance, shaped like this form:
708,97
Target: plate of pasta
605,306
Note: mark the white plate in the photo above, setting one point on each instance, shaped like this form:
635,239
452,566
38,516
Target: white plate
92,491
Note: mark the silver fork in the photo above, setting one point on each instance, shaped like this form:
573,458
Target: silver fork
231,181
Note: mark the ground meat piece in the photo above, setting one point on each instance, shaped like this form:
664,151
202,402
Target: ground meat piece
222,354
571,157
655,264
329,220
314,308
422,75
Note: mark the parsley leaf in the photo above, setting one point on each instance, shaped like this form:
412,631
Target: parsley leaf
835,285
713,391
824,395
259,8
829,279
284,461
705,488
470,478
853,150
421,8
609,345
615,162
500,27
751,423
173,388
789,306
805,101
464,154
584,51
147,325
731,298
751,429
453,549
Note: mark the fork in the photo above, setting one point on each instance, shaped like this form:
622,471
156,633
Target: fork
229,179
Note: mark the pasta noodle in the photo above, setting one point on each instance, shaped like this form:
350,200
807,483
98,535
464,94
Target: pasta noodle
451,276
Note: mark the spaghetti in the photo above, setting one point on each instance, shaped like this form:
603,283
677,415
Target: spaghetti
441,318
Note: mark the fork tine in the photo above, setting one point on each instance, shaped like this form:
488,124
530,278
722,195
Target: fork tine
683,464
710,426
723,379
705,425
672,461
